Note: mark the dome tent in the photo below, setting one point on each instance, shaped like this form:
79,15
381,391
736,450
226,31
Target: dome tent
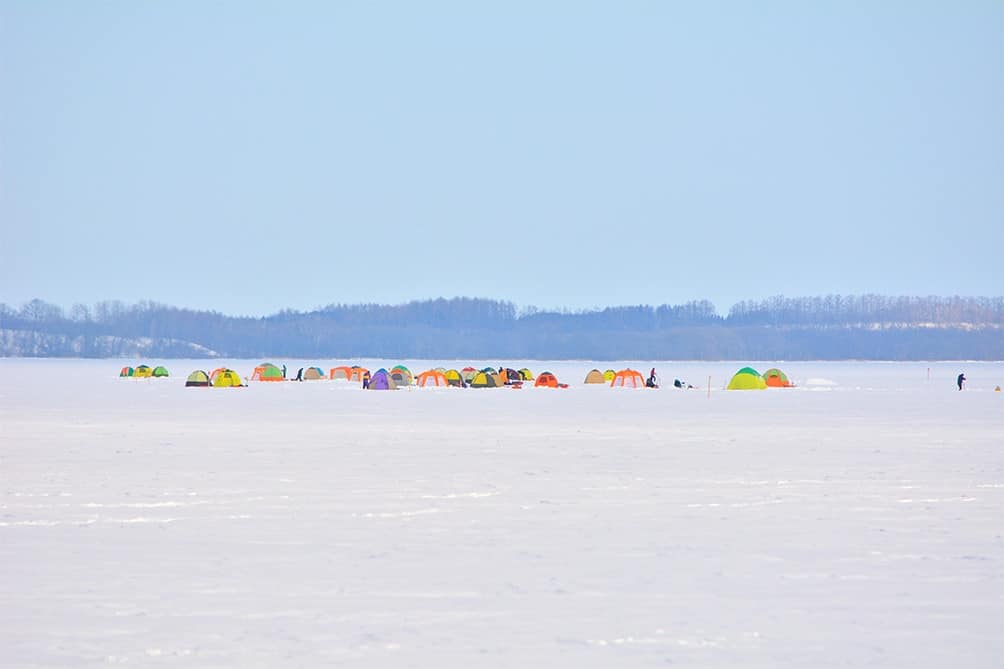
747,378
432,378
225,378
267,372
628,378
595,376
775,378
381,380
313,374
197,379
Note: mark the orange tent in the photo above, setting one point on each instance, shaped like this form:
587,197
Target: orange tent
432,378
546,379
343,372
628,378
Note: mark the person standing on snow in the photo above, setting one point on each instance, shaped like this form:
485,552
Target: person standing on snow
961,380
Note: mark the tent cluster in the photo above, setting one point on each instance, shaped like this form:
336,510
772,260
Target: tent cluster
400,376
144,372
468,377
598,377
222,377
748,378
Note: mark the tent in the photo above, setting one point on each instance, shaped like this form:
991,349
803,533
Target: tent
775,378
343,373
468,373
512,376
595,376
160,372
143,371
609,375
628,378
127,371
432,378
546,379
401,376
454,378
526,374
381,380
225,378
313,374
747,378
267,372
402,368
197,379
484,380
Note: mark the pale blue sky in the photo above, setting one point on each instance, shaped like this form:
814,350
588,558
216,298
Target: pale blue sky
245,157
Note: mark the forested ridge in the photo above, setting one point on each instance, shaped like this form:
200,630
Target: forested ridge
835,327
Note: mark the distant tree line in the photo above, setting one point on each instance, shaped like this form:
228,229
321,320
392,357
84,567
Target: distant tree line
831,327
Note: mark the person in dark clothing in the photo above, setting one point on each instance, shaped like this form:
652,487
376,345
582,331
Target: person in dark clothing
650,383
366,380
961,380
284,371
299,374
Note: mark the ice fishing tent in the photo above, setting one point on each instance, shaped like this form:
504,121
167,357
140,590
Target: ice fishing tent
595,376
197,379
747,378
526,374
628,378
432,378
775,378
609,375
454,378
381,380
267,372
484,380
401,376
313,374
546,379
160,372
468,373
225,378
127,371
511,376
143,371
343,373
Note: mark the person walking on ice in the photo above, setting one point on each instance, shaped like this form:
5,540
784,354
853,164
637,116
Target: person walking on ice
961,380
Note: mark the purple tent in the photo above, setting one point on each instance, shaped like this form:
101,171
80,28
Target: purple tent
381,381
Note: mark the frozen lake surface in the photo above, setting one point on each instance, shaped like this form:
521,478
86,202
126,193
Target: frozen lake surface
855,520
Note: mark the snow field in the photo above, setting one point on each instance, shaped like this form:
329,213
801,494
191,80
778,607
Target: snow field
855,520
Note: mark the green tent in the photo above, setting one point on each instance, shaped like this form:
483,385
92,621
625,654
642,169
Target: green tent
160,371
747,378
267,372
197,379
